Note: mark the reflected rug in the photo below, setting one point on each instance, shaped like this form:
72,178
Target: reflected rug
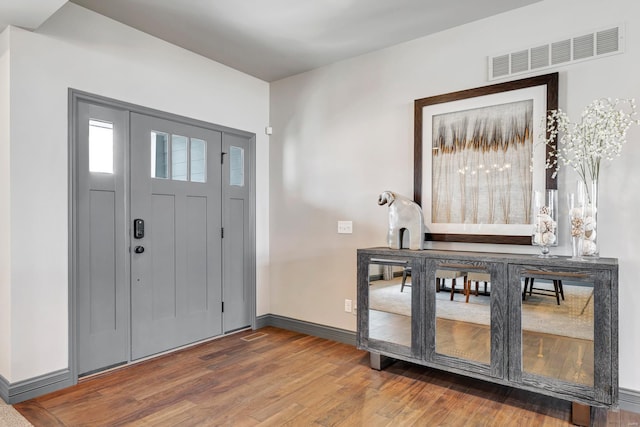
540,313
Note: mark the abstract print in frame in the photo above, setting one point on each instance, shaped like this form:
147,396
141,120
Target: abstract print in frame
478,159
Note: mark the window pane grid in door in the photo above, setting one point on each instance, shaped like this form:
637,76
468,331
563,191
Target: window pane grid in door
159,155
178,158
198,164
100,146
179,165
236,168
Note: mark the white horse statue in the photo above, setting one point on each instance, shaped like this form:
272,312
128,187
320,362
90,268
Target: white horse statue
404,215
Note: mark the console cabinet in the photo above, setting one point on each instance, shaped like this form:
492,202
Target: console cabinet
548,325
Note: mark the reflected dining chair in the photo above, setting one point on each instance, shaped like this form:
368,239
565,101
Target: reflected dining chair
477,277
442,275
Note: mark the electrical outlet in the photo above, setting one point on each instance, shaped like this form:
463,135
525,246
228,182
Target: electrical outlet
345,227
348,305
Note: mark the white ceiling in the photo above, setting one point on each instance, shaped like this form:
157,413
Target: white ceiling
29,14
273,39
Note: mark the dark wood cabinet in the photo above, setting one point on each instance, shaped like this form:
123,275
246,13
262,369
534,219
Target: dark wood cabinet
547,325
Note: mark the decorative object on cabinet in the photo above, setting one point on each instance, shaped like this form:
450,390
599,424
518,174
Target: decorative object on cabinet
404,215
576,222
600,135
588,200
544,215
468,142
532,344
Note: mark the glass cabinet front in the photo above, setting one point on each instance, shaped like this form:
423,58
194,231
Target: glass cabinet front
390,301
557,325
547,325
466,300
463,312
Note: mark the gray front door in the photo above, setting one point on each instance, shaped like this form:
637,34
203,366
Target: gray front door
152,201
176,267
237,242
102,297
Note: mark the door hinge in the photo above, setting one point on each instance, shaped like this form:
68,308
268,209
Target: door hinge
222,158
222,232
223,306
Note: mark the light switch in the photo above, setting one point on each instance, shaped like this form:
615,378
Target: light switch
345,227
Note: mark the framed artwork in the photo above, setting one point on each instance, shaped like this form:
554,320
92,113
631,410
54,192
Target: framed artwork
478,157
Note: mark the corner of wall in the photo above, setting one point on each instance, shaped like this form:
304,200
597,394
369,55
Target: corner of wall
5,195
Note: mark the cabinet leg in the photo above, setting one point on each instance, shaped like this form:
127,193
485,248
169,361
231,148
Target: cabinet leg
580,414
378,361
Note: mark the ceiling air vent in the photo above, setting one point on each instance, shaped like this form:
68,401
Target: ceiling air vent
565,51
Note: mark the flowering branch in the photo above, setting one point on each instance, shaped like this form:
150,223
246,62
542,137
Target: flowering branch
599,135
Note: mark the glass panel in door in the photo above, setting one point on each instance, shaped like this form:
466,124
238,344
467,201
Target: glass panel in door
159,155
100,146
390,301
198,155
558,326
463,312
179,170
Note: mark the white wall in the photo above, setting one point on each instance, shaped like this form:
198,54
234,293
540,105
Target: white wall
80,49
5,219
344,133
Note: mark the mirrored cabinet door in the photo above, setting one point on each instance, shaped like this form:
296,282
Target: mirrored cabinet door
463,316
558,326
562,335
389,287
466,299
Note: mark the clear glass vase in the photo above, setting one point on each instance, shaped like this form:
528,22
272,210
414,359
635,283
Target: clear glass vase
544,215
588,198
576,223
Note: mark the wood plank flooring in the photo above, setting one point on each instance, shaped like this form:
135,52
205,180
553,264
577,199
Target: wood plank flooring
274,377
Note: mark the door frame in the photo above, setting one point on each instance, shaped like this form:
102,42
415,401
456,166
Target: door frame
74,97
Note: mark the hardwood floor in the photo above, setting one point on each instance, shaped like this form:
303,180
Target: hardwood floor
274,377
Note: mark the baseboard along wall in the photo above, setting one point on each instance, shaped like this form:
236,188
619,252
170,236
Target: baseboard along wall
34,387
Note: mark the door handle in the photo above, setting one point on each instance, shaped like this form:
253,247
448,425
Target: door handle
139,249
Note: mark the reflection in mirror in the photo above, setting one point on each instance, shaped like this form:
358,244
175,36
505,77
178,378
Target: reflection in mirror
390,301
463,313
557,326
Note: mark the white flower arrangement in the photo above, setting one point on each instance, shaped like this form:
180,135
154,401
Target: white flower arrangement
600,134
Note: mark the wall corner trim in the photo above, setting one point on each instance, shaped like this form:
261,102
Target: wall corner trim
322,331
34,387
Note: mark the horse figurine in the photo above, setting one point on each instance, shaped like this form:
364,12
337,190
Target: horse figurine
404,215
